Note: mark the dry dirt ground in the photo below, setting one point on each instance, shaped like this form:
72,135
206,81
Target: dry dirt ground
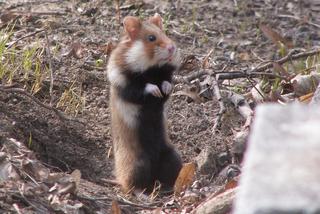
78,33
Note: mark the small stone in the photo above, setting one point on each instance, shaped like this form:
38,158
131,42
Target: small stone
316,97
281,168
239,145
207,161
220,204
190,198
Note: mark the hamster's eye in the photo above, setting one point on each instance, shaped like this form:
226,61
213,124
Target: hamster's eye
152,38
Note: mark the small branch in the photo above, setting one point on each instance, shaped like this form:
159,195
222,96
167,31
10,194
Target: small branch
241,74
222,110
118,13
255,87
253,73
25,93
241,105
11,22
299,19
21,196
290,56
16,208
27,3
121,201
316,97
47,13
187,79
23,37
225,75
50,67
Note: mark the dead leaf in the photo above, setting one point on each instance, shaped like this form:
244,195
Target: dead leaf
281,71
35,169
257,93
244,56
205,62
66,188
233,183
274,36
107,48
3,156
287,88
190,63
76,175
306,98
54,177
157,211
7,16
76,50
7,171
185,177
191,92
190,198
115,209
275,96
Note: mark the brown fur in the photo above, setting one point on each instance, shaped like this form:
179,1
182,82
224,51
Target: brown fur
126,146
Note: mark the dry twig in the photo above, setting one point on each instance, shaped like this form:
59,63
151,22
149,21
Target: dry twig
50,67
47,13
122,201
118,13
25,93
259,70
28,3
222,109
23,37
299,20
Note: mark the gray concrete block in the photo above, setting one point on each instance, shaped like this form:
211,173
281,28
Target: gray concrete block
281,172
316,97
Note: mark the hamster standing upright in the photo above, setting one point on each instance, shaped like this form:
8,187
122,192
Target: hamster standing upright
140,73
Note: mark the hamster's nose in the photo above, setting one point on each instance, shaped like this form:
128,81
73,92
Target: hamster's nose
171,49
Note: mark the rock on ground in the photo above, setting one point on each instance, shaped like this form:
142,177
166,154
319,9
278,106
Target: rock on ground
281,168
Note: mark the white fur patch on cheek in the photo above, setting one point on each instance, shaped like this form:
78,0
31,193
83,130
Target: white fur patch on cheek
114,75
137,58
128,112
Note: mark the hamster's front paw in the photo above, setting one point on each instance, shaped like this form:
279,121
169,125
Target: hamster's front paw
166,87
152,89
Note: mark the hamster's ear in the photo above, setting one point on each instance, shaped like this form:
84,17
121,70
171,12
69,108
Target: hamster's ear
156,20
132,26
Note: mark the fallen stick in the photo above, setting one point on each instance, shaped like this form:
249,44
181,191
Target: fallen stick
27,94
222,109
23,37
252,73
299,20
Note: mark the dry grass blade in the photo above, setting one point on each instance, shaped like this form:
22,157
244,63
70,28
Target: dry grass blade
115,208
7,16
281,71
306,98
205,62
76,175
50,66
274,36
185,177
25,93
191,94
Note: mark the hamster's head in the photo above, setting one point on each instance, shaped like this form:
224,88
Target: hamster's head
147,44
